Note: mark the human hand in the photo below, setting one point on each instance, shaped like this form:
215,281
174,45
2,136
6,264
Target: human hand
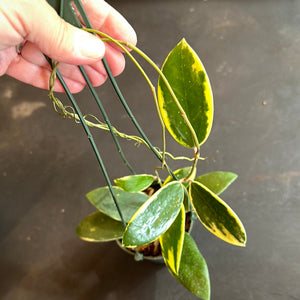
36,22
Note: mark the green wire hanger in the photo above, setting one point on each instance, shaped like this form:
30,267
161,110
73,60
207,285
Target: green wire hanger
70,11
66,9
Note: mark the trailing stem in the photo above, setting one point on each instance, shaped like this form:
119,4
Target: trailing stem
69,112
161,154
123,46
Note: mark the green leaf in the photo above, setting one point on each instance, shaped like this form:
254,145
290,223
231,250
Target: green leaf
134,183
181,174
172,242
98,227
155,216
216,215
193,272
128,202
217,182
189,81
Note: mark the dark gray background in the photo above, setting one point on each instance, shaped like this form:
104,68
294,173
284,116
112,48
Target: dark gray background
251,52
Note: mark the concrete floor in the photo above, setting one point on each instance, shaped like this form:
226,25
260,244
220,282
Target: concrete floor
251,52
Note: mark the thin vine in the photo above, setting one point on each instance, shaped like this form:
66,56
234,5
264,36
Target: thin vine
123,46
68,111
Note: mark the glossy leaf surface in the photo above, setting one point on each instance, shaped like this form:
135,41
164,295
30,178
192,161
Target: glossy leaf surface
216,215
155,216
172,242
98,227
181,174
193,272
134,183
189,81
128,202
217,182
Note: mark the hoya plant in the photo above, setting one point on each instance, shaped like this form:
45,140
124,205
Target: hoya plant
146,214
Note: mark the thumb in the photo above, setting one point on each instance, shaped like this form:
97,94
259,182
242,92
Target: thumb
58,39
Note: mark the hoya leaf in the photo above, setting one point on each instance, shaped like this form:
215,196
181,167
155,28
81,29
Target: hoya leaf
98,227
193,272
189,81
217,182
155,216
216,215
128,202
172,242
181,174
134,183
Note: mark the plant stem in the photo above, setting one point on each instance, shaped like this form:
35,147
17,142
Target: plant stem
122,45
144,56
161,157
100,125
152,88
196,158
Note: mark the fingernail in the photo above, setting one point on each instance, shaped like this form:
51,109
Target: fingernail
88,45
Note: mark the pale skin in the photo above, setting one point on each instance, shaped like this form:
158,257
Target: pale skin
37,23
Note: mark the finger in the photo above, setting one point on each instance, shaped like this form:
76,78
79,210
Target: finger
38,76
115,59
6,57
56,38
96,71
32,54
105,18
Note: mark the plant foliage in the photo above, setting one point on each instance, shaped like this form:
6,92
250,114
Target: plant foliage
185,106
189,117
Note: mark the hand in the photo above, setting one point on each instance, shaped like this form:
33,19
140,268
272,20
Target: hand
44,32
